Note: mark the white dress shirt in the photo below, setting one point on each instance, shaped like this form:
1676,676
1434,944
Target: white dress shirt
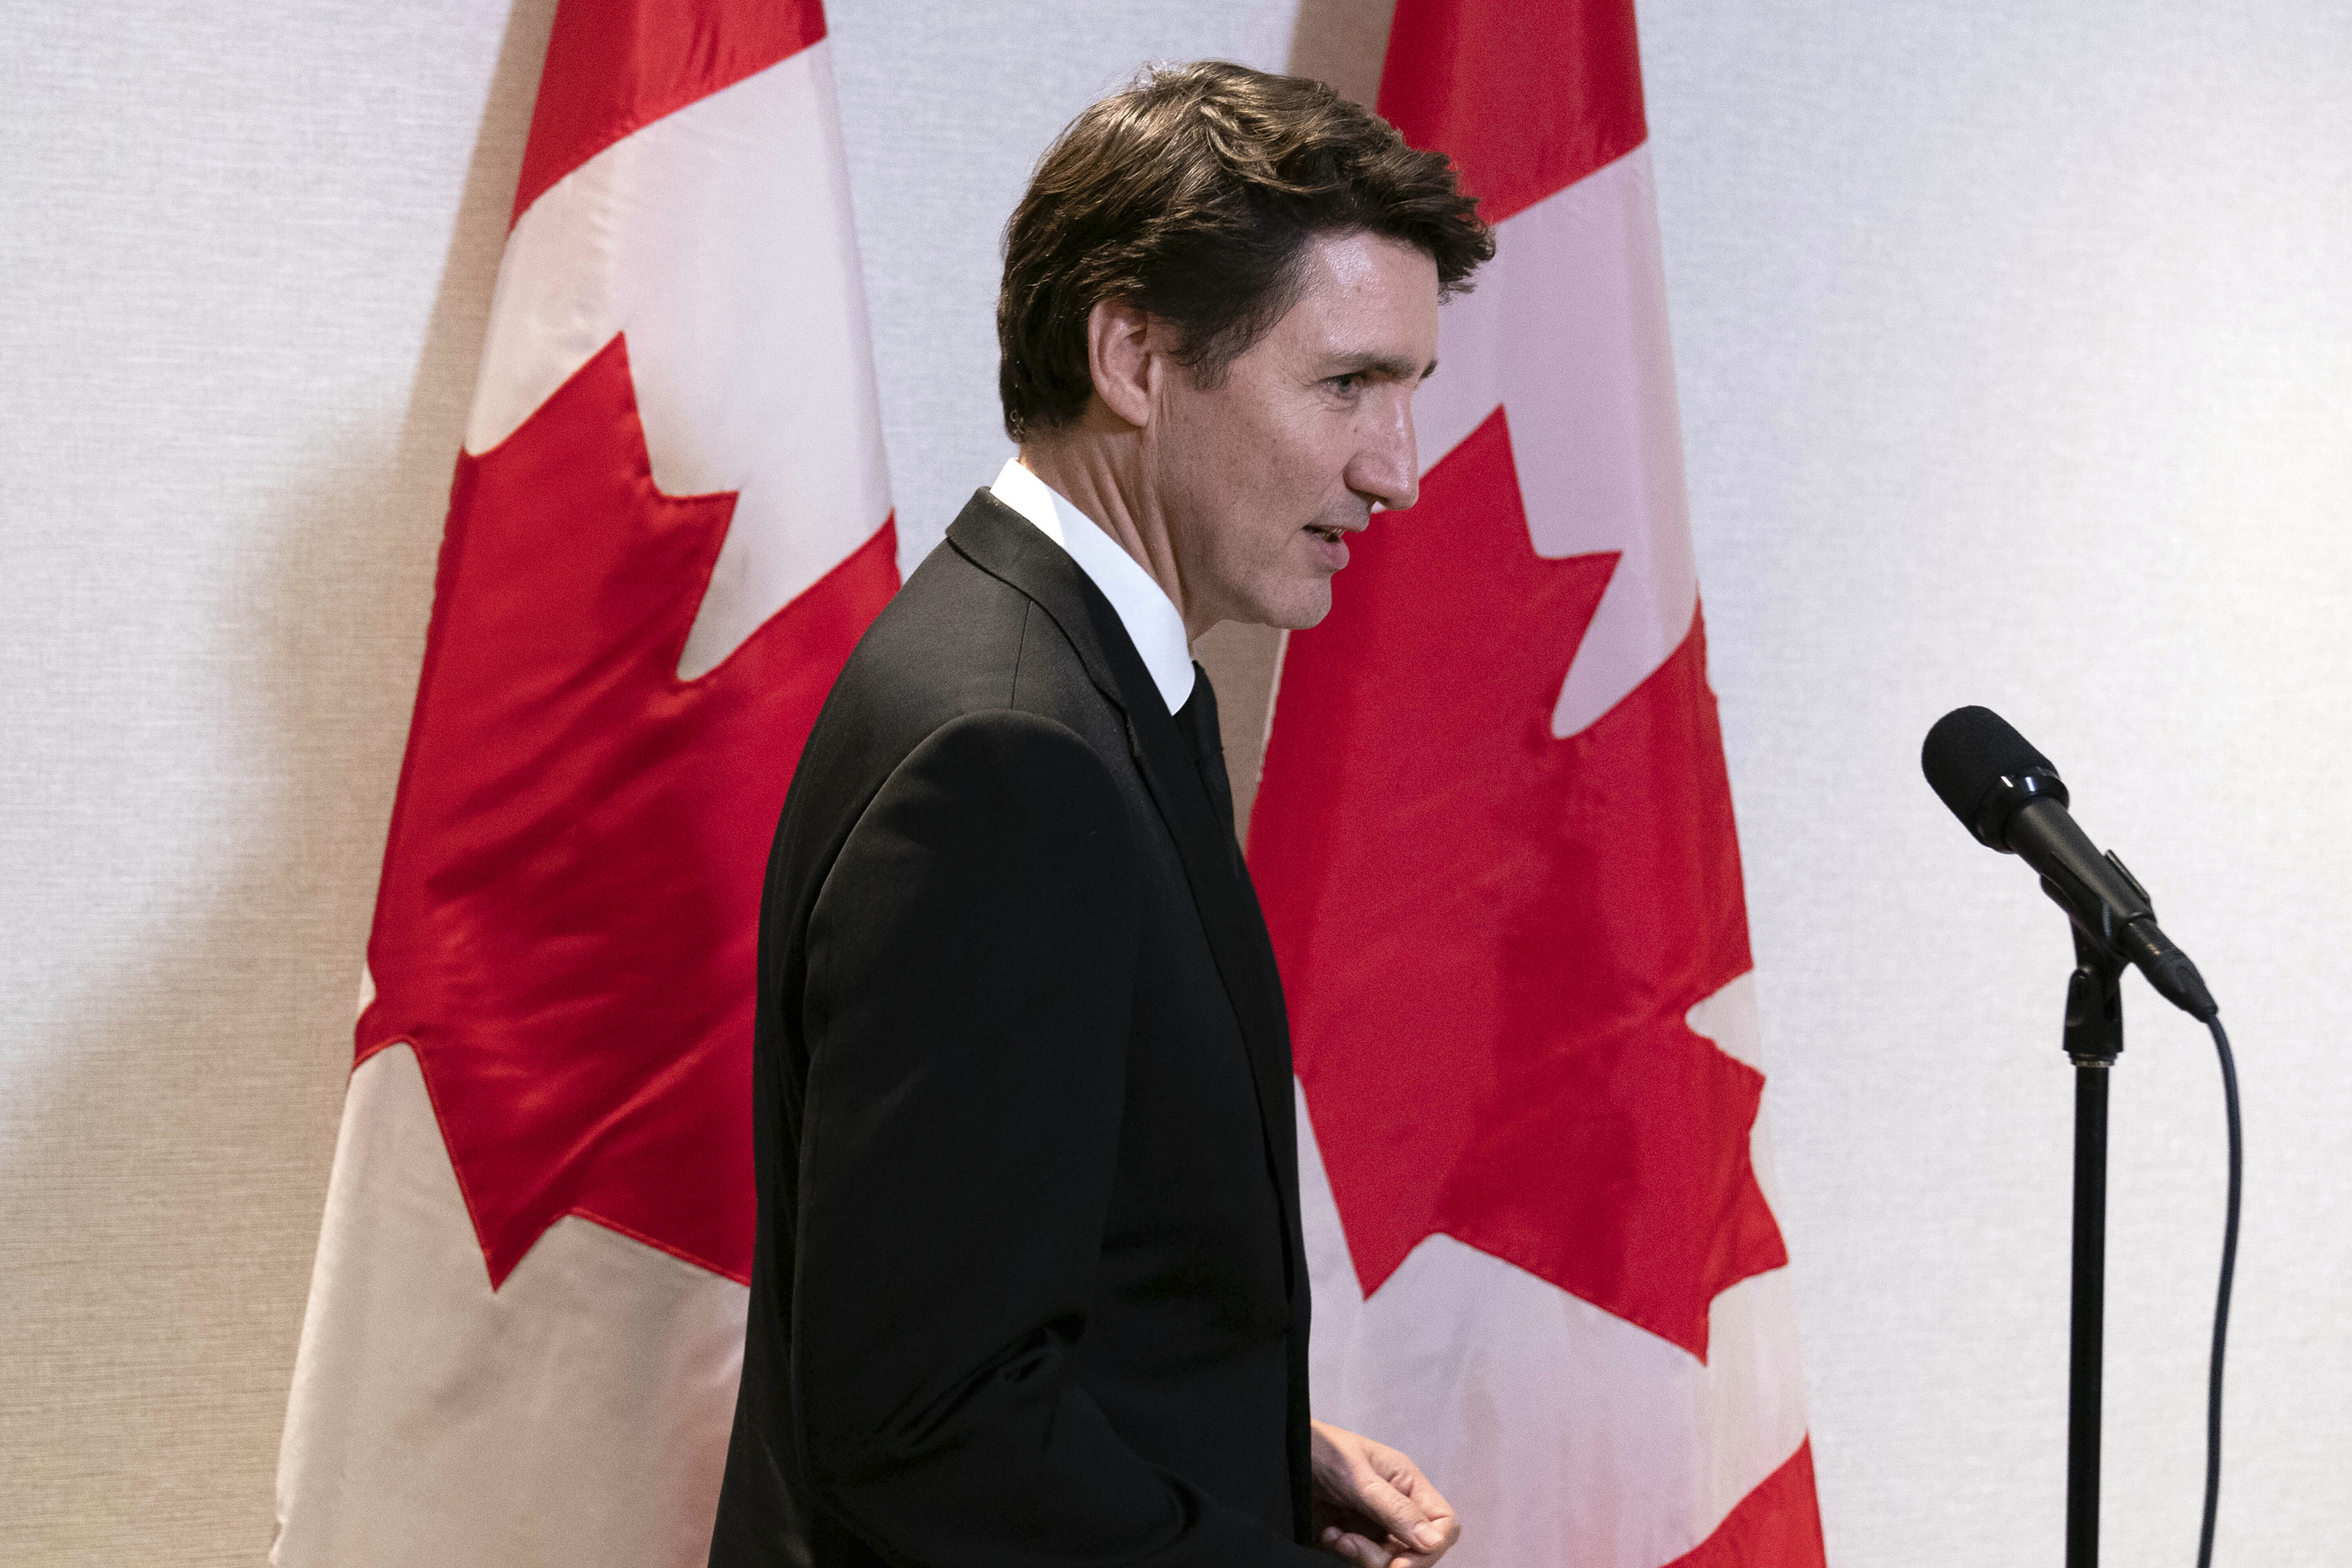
1152,622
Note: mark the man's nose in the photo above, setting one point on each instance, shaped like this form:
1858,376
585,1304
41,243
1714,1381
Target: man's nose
1386,465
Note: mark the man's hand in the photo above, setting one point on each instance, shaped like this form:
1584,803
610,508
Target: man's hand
1373,1506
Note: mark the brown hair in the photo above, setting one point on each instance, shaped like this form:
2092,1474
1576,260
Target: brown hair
1191,195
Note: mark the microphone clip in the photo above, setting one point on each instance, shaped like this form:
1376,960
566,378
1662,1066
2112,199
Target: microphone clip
2094,1035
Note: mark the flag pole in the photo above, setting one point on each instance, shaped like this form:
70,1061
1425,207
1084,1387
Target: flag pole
2093,1040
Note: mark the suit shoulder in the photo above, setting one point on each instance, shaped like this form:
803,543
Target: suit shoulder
948,642
1010,772
956,639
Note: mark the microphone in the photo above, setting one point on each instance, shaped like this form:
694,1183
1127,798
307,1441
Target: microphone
2008,795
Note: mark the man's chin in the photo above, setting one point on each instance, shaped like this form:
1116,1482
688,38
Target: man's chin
1291,603
1304,606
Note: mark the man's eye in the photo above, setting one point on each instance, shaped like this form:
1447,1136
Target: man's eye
1347,382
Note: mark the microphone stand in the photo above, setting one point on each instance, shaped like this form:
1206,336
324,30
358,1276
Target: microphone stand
2093,1040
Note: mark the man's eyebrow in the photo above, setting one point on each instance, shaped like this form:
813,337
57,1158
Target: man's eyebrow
1386,366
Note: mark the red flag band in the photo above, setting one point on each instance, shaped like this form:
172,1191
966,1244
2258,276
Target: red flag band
1495,841
670,526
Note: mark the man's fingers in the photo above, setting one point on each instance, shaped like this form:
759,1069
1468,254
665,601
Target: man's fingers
1374,1555
1440,1529
1406,1477
1443,1529
1367,1491
1405,1519
1357,1547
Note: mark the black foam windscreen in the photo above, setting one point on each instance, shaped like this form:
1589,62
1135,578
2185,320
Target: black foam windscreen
1969,752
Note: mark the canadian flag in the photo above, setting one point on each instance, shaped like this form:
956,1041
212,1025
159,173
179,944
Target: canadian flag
1495,841
670,525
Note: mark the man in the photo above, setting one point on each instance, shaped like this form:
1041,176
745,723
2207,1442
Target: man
1029,1286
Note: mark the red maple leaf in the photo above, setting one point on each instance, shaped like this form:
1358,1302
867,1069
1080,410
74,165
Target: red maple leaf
1489,936
567,922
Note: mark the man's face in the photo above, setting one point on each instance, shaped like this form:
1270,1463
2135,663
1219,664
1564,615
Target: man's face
1261,478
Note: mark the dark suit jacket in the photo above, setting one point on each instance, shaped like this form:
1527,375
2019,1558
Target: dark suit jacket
1028,1287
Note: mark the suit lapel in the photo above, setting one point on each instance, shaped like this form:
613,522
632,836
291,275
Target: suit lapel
1004,543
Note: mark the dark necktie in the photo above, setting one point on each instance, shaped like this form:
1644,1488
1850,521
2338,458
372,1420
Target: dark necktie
1197,722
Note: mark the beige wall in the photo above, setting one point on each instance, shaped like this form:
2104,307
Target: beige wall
247,256
2017,367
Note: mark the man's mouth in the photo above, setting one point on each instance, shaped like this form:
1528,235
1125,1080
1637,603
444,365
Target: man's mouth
1330,532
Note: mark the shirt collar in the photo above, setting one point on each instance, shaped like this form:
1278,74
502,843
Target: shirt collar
1152,622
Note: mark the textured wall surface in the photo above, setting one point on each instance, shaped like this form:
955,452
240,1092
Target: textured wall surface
2016,362
2015,348
248,253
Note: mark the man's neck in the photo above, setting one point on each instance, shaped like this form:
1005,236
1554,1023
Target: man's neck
1102,479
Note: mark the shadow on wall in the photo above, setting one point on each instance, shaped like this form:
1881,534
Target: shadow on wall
171,1178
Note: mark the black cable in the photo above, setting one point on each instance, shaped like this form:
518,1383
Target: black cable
2220,1301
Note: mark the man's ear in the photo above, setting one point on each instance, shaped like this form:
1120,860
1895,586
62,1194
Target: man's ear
1122,344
